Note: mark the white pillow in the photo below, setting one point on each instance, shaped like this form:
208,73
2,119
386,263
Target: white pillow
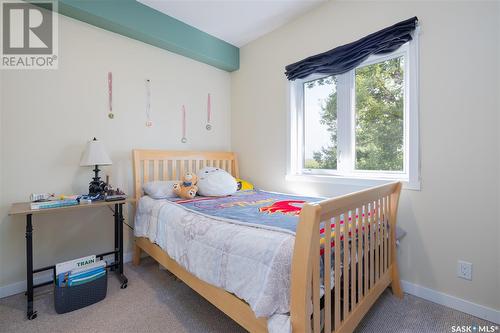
160,189
215,182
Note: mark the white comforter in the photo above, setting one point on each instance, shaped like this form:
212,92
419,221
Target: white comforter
252,263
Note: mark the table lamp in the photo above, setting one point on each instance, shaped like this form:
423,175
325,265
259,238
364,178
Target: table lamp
95,155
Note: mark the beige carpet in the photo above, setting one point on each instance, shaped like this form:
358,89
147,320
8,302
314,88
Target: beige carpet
156,302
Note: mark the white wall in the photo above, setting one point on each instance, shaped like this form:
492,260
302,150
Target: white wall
455,215
49,115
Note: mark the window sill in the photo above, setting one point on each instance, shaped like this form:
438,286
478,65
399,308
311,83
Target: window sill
354,181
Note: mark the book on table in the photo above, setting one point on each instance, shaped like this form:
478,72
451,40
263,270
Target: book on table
53,204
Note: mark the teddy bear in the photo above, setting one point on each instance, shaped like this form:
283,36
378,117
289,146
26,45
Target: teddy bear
187,188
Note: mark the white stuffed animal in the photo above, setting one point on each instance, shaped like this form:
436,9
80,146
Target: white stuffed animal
215,182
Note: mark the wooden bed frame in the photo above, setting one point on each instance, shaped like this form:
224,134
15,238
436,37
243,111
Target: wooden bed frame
356,288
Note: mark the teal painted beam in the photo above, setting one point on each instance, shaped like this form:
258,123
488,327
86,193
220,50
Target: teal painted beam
135,20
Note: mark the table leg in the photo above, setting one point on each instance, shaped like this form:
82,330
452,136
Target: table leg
122,277
116,216
29,267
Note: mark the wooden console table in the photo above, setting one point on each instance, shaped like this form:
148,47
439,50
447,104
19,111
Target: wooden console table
24,208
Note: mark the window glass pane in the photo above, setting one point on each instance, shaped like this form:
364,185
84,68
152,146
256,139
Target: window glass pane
379,116
320,123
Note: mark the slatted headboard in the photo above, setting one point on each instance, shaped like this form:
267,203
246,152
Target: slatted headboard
152,165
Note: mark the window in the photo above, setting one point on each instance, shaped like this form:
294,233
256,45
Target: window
362,124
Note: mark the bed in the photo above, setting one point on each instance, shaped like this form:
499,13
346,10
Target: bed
362,252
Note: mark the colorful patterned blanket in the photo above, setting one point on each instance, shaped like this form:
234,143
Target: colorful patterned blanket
253,207
269,210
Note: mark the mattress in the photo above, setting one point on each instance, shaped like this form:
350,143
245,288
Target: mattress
253,263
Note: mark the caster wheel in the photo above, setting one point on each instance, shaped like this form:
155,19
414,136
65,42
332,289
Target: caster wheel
32,316
123,286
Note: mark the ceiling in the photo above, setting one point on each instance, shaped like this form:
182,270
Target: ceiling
234,21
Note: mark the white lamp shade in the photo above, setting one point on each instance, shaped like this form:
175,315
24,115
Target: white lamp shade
95,154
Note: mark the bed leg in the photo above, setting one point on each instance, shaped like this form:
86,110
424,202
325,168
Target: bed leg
137,255
395,282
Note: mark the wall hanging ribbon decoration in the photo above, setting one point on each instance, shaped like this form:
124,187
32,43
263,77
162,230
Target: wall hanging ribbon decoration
183,139
209,113
149,122
110,95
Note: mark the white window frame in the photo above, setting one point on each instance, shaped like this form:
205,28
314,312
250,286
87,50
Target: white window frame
345,173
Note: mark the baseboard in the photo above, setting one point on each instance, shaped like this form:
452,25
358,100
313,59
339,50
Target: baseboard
453,302
20,287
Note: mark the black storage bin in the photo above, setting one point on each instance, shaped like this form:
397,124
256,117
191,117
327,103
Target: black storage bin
72,298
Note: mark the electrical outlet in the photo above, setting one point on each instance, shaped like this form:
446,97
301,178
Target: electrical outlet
464,270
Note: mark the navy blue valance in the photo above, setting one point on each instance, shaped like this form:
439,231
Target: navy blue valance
346,57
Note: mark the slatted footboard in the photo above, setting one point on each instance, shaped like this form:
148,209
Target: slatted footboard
358,243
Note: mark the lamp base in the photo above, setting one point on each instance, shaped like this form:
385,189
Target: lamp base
96,186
